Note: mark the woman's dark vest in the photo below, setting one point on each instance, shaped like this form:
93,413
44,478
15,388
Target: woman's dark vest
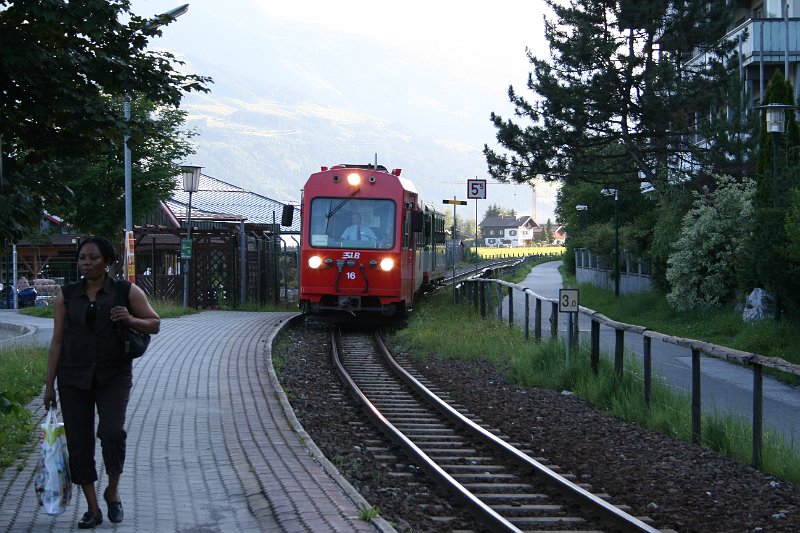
93,351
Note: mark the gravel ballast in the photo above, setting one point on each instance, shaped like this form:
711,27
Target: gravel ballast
681,486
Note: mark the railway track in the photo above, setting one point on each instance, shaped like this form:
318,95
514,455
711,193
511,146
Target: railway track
505,488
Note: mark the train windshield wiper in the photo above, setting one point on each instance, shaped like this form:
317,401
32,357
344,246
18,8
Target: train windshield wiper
336,209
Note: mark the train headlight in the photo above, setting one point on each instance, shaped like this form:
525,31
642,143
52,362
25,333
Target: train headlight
354,179
314,261
387,263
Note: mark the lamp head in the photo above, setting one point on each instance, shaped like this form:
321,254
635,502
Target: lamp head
776,116
191,178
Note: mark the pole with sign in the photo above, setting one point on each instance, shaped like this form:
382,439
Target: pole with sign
130,256
453,254
568,303
476,189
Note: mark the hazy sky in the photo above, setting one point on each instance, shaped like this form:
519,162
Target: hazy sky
483,42
458,34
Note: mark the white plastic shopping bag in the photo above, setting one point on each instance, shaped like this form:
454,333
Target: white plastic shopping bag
52,481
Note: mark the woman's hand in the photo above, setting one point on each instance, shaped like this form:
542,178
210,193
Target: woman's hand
121,315
50,397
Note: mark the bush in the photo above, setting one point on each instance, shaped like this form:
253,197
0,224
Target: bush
702,270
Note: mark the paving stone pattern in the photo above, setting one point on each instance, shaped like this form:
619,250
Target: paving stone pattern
210,444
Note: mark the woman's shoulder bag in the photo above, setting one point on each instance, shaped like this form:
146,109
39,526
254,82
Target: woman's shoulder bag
134,342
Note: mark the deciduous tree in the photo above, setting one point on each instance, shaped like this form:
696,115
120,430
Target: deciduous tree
64,66
99,179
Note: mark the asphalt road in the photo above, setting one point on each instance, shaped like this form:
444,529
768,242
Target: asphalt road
726,388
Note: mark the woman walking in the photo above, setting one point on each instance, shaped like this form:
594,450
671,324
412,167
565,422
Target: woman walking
87,357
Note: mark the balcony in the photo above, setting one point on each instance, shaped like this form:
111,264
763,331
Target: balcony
765,38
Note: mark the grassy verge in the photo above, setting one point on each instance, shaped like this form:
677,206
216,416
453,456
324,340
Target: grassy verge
22,372
167,309
437,327
164,309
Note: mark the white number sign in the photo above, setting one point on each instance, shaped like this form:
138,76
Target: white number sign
476,189
568,300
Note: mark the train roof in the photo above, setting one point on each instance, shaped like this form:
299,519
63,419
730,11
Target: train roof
405,183
429,207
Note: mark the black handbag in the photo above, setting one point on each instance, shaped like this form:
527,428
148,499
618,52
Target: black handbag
134,342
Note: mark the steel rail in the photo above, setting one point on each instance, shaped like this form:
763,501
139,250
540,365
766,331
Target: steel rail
485,513
620,518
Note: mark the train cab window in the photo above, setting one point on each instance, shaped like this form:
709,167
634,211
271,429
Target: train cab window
352,223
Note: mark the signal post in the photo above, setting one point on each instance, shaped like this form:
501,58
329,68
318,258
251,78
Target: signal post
455,203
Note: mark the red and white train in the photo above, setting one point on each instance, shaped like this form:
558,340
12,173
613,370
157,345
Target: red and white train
368,243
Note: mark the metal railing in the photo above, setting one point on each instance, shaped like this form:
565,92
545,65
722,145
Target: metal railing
487,295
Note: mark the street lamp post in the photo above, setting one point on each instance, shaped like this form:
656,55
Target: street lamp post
776,125
191,182
170,15
615,193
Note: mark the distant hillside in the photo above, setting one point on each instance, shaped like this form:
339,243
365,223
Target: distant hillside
313,97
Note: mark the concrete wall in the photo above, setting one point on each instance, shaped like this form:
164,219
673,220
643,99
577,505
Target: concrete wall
633,276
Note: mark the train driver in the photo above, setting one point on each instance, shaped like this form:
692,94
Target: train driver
356,232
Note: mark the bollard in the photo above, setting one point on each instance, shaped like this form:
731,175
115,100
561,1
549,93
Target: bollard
595,355
527,315
619,352
510,307
648,369
482,298
499,302
758,408
695,396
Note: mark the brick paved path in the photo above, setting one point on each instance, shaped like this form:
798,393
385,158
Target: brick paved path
211,446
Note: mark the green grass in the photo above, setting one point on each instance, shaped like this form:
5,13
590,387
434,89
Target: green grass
166,309
367,514
22,373
42,312
439,329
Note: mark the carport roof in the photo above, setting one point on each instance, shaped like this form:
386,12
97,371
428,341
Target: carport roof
219,201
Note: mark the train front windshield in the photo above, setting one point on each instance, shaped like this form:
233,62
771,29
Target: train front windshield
352,223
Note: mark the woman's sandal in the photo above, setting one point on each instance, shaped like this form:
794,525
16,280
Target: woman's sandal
90,520
115,512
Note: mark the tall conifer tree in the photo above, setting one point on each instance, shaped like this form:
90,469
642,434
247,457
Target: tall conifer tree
617,100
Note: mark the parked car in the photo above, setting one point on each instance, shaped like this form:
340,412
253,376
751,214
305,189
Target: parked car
27,297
